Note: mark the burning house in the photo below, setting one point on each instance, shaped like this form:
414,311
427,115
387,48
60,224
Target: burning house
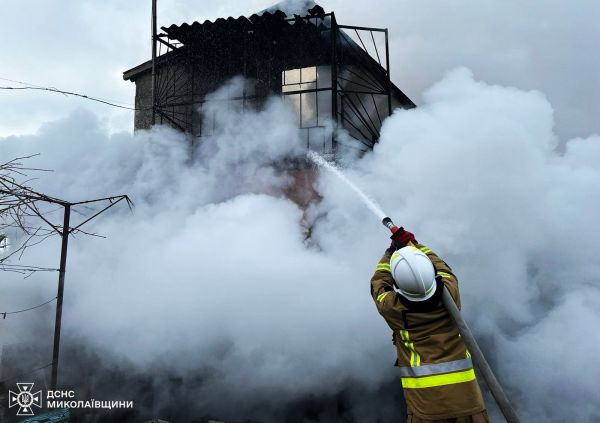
334,75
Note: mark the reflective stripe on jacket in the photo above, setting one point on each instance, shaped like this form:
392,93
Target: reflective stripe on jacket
435,367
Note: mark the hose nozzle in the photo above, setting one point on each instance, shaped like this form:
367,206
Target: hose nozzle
387,222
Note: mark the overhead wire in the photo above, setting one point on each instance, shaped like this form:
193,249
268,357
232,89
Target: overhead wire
29,86
54,90
19,377
20,82
4,314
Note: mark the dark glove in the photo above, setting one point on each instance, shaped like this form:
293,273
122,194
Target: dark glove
401,238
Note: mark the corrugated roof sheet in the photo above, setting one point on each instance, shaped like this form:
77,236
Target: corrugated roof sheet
271,17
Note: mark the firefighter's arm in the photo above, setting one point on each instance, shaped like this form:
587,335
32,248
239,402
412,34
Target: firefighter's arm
443,271
382,283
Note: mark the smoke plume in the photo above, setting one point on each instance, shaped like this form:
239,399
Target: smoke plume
209,301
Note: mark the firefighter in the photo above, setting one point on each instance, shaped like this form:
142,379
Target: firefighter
435,366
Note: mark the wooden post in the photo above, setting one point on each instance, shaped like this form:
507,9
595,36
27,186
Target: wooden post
59,297
334,82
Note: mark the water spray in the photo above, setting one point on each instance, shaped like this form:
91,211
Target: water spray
463,328
369,202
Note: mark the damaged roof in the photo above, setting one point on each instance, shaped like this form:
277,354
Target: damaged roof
290,24
273,18
269,21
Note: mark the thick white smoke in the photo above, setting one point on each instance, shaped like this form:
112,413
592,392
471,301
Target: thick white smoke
211,274
475,174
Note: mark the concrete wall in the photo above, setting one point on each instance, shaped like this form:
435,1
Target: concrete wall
143,101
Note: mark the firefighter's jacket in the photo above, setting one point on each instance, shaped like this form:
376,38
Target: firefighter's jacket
435,366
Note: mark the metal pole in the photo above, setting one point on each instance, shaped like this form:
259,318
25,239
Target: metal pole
334,81
59,296
484,367
153,62
389,81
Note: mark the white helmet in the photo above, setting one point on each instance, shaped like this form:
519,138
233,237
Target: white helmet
414,273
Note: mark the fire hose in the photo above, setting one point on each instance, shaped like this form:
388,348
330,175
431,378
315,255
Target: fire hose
476,353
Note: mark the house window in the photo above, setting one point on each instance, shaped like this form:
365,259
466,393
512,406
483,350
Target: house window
309,91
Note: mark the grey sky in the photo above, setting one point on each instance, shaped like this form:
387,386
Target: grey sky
85,45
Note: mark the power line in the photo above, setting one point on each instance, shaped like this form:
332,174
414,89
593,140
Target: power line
25,374
29,84
20,82
55,90
24,269
4,314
